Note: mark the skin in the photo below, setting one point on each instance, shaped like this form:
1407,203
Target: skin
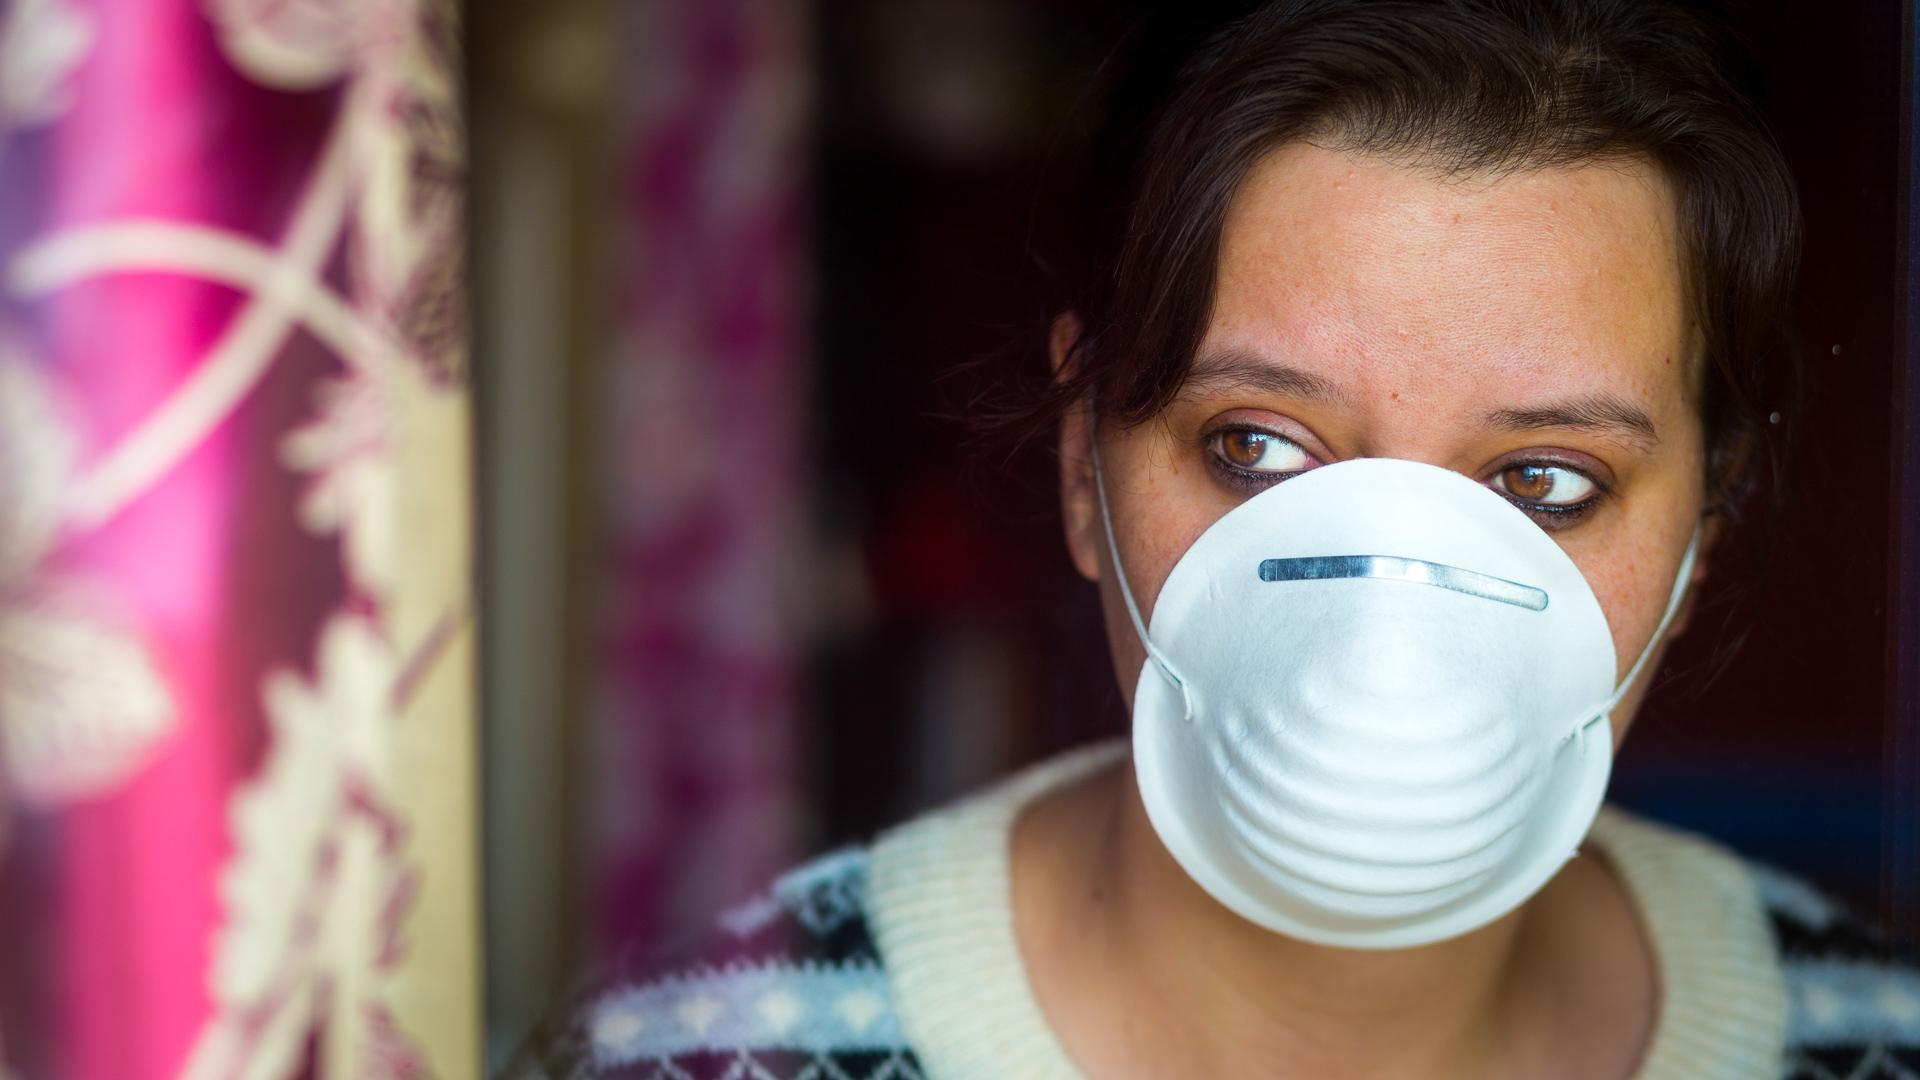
1367,308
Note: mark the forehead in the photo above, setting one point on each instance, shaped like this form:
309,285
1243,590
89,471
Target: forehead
1363,269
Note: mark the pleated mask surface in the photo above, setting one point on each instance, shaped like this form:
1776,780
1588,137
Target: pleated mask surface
1374,710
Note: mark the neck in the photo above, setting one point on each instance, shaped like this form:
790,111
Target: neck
1235,999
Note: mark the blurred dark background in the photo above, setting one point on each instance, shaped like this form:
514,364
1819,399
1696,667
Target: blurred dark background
927,633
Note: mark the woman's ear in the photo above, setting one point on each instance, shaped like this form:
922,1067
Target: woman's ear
1079,501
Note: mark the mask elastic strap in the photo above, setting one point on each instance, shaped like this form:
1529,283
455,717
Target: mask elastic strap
1154,654
1682,580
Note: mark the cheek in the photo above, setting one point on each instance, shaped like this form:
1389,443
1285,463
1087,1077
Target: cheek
1151,551
1151,544
1158,513
1618,578
1125,649
1632,579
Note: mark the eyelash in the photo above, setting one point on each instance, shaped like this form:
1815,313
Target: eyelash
1551,518
1555,518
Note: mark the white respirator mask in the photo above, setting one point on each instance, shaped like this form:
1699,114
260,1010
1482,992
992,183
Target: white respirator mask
1374,712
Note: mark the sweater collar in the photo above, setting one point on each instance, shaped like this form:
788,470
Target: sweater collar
940,904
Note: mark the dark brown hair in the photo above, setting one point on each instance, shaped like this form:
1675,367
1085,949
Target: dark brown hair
1462,86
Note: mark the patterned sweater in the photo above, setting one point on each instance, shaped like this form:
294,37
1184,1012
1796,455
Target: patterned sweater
898,962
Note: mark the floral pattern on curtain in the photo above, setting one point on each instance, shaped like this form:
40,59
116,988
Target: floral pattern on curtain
695,741
236,738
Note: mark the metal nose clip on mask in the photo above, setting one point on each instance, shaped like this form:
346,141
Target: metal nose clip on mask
1374,712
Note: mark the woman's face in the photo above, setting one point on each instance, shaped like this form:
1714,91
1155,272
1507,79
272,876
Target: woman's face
1529,331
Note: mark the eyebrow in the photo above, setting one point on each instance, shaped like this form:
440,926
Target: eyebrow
1236,369
1600,414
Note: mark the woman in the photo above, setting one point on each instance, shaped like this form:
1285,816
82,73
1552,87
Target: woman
1424,350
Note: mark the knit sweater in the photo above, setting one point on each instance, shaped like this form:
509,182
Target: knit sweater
898,961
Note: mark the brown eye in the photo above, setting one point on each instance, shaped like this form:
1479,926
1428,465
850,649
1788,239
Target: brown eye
1259,451
1545,485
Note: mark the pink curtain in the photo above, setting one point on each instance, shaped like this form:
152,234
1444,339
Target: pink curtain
235,745
695,741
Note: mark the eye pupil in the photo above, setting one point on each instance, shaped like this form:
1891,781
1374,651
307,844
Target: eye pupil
1245,448
1530,481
